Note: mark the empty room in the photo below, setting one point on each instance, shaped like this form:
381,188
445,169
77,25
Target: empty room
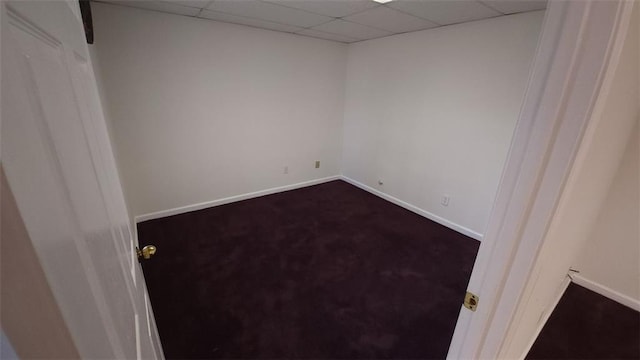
319,179
207,114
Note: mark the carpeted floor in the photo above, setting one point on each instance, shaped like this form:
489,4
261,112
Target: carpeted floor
587,325
325,272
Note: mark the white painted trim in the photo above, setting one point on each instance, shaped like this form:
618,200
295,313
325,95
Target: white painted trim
231,199
603,30
573,54
207,204
606,291
442,221
547,314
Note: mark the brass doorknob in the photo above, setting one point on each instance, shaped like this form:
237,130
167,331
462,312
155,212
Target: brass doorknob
146,252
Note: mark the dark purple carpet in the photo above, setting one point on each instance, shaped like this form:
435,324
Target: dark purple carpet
324,272
587,325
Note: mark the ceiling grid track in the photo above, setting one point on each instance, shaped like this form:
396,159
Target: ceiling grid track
344,21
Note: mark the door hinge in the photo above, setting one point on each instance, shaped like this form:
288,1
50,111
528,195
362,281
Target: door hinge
471,301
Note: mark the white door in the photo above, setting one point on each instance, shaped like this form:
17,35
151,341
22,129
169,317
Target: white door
573,57
59,164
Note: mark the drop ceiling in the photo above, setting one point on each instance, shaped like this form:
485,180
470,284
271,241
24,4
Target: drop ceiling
344,21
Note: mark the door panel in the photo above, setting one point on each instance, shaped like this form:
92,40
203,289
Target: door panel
59,164
34,174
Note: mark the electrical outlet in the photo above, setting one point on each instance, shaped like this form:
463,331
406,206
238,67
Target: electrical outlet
317,164
445,200
285,170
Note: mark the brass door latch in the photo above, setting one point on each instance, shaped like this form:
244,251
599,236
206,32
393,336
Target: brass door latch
146,253
471,301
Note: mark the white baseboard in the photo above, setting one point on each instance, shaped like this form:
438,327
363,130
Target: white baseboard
451,225
606,292
227,200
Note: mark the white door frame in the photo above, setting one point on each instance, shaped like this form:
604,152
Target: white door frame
574,51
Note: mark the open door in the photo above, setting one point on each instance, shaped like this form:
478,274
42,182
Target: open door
60,167
578,44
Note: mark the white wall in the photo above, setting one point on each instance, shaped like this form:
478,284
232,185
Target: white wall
611,256
202,110
432,113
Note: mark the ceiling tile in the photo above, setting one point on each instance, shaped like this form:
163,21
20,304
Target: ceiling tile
269,12
516,6
389,19
359,19
334,8
326,36
162,6
353,30
445,12
192,3
218,16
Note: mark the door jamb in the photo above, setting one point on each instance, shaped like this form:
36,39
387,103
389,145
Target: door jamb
574,51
